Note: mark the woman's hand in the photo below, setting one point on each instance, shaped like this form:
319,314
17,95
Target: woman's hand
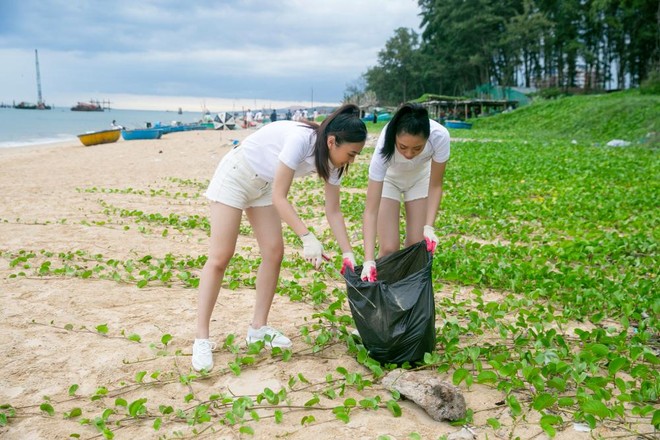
369,272
348,262
312,249
431,238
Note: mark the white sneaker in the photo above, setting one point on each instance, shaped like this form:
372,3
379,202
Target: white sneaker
270,336
202,357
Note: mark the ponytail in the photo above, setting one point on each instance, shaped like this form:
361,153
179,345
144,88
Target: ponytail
411,118
346,126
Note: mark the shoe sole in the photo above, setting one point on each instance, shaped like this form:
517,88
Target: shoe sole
200,369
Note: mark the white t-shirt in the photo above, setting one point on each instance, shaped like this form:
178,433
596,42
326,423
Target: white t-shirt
288,142
436,148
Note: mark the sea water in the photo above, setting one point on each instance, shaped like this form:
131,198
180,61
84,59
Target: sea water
19,128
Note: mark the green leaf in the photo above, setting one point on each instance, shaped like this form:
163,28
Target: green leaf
121,402
166,338
134,337
75,412
599,350
139,376
513,403
157,422
656,419
566,401
494,423
616,365
543,401
136,407
307,420
246,430
350,402
547,422
487,376
595,407
557,383
103,329
341,413
72,389
459,375
47,408
394,408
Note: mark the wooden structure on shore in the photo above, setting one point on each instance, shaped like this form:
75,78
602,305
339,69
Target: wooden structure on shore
462,108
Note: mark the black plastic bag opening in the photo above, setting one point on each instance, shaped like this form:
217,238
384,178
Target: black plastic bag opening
396,315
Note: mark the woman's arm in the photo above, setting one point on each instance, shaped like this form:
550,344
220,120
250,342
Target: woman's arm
281,186
370,219
435,191
335,217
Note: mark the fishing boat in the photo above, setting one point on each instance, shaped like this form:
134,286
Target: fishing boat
141,133
87,107
99,137
29,106
175,126
458,124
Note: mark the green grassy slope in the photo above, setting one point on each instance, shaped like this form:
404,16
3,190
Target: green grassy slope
627,115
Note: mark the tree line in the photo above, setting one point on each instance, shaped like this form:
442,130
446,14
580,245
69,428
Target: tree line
563,44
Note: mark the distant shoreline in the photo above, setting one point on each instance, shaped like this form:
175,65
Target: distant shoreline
39,145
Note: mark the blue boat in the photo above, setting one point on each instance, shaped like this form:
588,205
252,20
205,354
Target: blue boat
141,133
458,124
171,128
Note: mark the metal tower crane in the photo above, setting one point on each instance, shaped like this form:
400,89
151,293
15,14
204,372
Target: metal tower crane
40,100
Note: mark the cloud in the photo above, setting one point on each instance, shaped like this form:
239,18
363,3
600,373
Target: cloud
238,50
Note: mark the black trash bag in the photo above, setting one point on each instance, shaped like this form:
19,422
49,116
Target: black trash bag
396,315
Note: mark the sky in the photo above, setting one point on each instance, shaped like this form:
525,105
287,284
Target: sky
166,54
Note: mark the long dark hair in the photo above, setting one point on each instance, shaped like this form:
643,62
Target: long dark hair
346,126
411,118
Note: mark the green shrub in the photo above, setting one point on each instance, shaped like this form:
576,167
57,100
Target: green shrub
651,85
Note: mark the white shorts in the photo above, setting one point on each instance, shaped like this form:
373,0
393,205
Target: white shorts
235,184
412,186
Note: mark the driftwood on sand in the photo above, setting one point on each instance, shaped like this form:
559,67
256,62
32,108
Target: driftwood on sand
441,400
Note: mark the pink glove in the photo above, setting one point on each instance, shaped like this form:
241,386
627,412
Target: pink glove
369,272
431,238
348,263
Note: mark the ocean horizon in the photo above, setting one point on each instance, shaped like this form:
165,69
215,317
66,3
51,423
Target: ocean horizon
23,128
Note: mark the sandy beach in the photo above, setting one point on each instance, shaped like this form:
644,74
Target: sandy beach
80,343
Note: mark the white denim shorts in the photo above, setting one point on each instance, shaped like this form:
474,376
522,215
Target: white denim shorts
235,184
409,186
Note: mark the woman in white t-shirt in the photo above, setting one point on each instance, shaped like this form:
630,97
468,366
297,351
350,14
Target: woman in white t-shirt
255,177
409,164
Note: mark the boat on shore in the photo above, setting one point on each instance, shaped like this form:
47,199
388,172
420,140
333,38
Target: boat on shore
458,124
87,107
141,133
99,137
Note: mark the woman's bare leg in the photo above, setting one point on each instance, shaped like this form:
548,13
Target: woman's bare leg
415,219
225,223
267,227
388,227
